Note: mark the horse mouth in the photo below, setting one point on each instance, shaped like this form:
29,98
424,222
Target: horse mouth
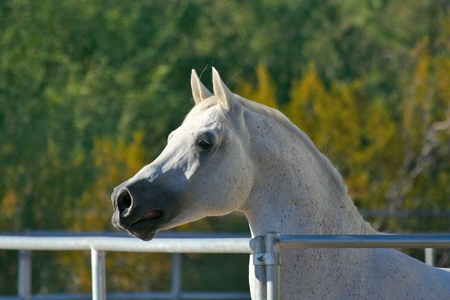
146,226
149,216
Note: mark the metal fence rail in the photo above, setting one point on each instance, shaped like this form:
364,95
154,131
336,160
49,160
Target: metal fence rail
267,247
158,245
265,251
364,241
97,245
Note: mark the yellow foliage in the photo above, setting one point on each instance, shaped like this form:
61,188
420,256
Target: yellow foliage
264,92
351,132
8,206
115,161
427,96
443,82
382,134
302,109
416,104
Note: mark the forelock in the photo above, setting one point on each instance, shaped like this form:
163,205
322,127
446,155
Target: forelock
201,107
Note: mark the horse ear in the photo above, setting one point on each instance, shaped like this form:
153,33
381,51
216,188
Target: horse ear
199,91
221,91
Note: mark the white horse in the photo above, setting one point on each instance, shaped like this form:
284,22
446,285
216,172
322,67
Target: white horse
233,154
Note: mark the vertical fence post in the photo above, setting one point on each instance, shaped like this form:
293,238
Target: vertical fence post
429,256
260,268
24,280
176,276
98,274
272,266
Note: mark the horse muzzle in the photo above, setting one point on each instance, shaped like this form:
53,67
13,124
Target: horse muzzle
137,210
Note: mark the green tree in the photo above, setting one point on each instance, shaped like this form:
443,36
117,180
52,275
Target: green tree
423,176
89,90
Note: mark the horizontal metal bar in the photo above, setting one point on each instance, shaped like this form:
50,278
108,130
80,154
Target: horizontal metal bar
404,213
184,295
221,245
160,245
151,295
215,295
365,241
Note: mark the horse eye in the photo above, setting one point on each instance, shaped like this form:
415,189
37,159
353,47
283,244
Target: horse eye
203,145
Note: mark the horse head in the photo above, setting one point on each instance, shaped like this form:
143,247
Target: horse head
204,170
231,154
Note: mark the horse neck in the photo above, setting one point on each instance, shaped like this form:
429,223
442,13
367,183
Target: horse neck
296,190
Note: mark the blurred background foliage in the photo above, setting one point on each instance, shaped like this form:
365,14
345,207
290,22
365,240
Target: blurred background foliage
89,91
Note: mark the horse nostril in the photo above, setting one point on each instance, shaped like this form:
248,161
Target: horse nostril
124,202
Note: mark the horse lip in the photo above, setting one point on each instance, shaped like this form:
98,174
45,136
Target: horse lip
148,216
